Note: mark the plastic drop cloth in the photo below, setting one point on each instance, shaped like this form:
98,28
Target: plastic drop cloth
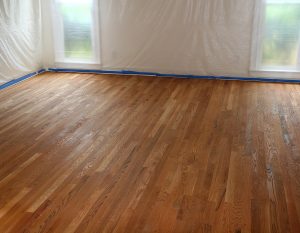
200,37
20,38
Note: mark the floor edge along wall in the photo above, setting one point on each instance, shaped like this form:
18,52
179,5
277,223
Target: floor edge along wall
131,72
18,80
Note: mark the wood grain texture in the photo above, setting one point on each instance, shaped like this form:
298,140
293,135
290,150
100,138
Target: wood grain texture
107,153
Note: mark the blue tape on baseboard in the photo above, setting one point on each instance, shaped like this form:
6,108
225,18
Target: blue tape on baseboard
131,72
18,80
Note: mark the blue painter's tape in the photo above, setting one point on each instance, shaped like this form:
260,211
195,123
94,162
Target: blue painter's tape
18,80
131,72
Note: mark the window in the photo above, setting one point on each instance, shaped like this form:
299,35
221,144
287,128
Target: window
278,47
76,31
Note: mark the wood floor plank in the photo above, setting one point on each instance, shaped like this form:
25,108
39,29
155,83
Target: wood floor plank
110,153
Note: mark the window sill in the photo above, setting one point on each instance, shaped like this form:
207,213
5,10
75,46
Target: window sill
78,65
284,74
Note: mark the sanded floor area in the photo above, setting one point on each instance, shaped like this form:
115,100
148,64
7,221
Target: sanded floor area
106,153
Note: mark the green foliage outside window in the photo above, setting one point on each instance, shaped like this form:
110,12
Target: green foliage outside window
282,32
77,20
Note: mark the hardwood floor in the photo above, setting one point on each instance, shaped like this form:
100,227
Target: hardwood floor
106,153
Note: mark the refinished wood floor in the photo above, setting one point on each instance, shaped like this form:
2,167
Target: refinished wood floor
106,153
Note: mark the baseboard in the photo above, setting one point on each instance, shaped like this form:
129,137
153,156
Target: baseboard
131,72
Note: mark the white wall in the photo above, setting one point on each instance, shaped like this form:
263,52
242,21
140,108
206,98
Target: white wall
20,38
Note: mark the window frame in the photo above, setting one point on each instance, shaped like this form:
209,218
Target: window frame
58,38
257,40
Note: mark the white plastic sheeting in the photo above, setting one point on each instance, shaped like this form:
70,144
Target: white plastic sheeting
20,38
200,37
